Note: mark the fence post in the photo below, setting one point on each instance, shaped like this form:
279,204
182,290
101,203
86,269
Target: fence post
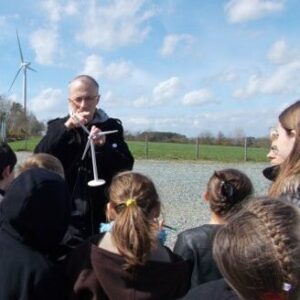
146,146
197,147
245,150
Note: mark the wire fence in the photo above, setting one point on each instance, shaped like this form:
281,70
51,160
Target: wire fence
197,151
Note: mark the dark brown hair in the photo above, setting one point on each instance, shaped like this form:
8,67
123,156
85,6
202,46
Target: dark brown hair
290,121
134,230
226,189
7,158
258,251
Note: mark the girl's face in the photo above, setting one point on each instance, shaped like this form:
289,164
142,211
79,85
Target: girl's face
273,156
282,145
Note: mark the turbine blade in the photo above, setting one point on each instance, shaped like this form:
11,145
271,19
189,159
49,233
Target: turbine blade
31,69
21,54
14,79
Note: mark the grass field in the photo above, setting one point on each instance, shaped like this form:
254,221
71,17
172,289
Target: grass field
175,151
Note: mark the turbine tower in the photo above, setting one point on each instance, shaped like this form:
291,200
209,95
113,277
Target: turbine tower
23,67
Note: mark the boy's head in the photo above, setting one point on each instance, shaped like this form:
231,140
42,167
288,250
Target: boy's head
8,160
42,160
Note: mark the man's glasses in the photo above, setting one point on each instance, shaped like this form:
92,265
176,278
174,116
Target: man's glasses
78,100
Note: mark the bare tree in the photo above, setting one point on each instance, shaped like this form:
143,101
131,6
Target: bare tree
238,136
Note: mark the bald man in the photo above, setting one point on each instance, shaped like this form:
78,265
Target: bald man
66,140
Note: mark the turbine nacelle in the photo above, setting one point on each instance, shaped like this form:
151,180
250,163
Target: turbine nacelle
25,64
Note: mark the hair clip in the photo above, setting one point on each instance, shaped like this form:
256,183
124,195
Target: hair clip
286,287
227,189
130,202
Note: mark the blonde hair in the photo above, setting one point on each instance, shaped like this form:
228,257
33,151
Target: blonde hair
258,251
290,121
42,160
226,190
135,201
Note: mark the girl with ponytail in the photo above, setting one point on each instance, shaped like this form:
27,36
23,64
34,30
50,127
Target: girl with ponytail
226,192
127,261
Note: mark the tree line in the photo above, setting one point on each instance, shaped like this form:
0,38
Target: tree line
14,122
237,138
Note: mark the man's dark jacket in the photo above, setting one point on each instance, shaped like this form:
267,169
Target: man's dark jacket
35,214
68,146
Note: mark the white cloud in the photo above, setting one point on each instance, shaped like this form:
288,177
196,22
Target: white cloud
285,78
45,44
95,66
55,10
198,97
71,8
49,103
161,93
195,123
253,86
173,41
116,24
141,102
229,76
166,89
246,10
278,52
109,100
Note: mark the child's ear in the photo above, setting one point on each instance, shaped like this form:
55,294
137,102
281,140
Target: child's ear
6,172
111,213
293,132
205,196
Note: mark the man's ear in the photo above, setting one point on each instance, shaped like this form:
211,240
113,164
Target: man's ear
98,99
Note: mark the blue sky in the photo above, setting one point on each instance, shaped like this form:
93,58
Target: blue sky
187,66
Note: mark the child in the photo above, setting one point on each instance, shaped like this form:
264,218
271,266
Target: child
127,261
226,190
287,143
42,160
35,212
258,251
8,160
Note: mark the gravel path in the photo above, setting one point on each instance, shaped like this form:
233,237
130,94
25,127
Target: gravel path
180,185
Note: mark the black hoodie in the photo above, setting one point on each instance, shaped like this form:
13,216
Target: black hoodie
35,213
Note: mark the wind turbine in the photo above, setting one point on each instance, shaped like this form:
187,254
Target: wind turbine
23,67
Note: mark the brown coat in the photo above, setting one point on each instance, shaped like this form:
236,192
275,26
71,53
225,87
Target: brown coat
98,274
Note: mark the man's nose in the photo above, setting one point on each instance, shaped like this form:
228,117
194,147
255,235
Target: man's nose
83,102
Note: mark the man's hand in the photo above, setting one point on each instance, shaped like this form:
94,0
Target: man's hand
99,140
81,117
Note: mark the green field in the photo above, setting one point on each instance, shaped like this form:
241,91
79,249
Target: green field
188,152
176,151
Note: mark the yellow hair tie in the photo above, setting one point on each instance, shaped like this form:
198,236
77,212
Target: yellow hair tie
130,202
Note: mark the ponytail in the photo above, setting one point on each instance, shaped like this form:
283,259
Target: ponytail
136,204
